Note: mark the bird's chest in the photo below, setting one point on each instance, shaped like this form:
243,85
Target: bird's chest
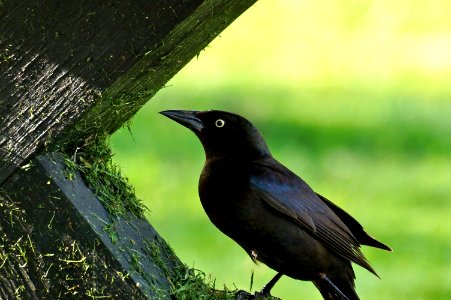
222,191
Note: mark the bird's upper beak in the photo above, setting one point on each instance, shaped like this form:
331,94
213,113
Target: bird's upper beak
187,118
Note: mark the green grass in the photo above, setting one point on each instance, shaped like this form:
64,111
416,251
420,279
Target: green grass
355,98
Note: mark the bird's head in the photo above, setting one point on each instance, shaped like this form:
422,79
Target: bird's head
223,134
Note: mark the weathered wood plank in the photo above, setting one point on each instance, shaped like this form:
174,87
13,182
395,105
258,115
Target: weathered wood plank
58,242
72,69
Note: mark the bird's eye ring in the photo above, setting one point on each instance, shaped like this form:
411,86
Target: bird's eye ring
220,123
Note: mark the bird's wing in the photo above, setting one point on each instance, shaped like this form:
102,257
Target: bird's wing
357,230
290,196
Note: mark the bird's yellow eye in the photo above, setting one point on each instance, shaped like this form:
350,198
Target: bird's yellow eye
220,123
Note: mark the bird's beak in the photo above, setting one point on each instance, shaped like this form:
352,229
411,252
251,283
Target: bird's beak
187,118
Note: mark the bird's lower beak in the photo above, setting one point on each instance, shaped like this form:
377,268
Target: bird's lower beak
187,118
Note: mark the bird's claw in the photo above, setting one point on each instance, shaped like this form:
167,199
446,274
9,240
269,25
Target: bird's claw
243,295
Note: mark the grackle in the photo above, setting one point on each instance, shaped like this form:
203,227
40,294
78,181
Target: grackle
272,213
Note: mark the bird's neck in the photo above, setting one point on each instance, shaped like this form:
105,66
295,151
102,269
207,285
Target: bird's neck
239,157
243,154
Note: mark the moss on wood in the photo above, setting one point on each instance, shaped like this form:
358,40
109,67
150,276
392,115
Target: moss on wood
94,161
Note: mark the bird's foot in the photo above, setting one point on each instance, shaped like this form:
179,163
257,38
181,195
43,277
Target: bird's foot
243,295
263,294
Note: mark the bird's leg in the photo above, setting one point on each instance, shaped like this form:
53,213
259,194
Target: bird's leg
266,291
334,287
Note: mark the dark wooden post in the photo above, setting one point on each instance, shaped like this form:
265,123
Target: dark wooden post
71,71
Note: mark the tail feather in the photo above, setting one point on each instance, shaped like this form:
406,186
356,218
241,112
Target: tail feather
355,227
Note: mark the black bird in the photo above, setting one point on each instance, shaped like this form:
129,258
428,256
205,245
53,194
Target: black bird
272,213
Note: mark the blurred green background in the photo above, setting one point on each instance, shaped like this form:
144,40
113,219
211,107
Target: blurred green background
355,97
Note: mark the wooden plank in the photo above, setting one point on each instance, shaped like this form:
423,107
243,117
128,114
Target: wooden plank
58,241
73,69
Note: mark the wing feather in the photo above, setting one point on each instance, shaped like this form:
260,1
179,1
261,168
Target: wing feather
289,195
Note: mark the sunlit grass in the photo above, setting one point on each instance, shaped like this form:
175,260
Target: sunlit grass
354,97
